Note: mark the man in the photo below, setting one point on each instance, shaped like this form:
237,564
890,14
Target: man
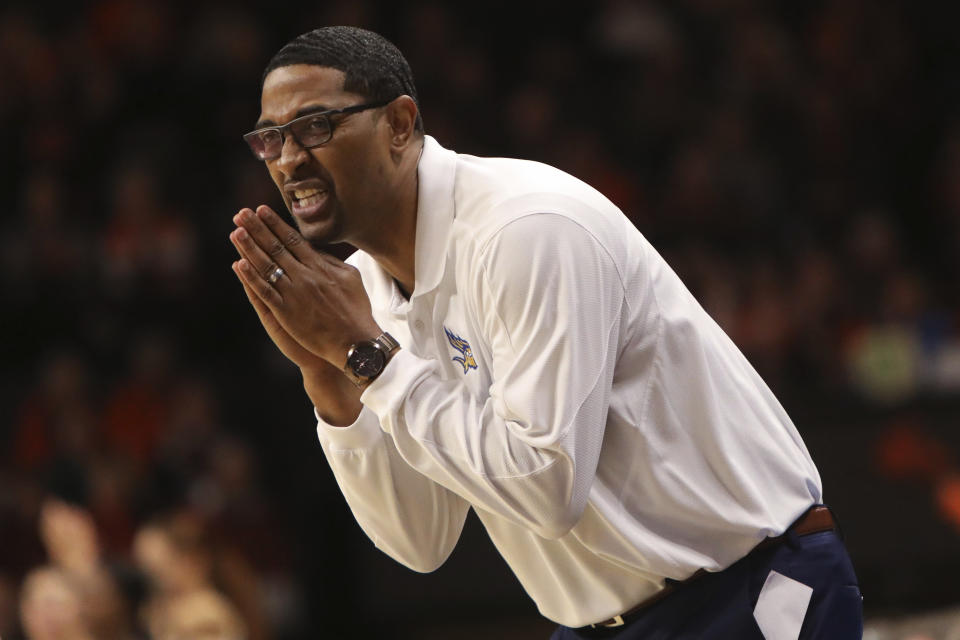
504,339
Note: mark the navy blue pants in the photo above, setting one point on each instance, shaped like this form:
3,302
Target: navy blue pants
720,606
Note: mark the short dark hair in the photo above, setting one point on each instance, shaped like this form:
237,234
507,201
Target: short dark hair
372,66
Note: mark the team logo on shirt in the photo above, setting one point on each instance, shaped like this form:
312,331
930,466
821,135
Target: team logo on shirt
466,353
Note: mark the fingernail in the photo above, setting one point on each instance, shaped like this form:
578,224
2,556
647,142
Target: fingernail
242,233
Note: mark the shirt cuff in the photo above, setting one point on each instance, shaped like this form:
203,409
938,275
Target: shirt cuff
364,433
385,395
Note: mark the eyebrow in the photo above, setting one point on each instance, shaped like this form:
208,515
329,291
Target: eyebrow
305,111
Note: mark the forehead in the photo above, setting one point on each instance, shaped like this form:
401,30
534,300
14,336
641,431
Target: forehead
289,89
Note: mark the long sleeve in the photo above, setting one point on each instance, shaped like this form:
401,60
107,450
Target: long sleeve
548,300
405,514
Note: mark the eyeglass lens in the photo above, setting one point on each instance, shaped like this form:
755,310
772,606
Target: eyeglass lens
308,131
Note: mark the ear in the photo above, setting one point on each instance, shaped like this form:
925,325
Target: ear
402,119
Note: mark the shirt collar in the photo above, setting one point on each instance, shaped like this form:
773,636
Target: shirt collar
435,211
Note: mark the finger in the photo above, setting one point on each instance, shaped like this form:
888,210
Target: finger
245,248
267,294
235,240
268,242
258,305
254,256
267,319
289,236
241,248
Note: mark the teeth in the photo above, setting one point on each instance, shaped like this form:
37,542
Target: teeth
309,201
306,193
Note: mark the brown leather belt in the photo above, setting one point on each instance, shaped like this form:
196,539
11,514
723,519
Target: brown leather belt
816,519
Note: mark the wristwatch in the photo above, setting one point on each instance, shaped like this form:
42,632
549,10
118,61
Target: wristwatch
366,359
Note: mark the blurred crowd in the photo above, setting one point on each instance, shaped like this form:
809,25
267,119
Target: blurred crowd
797,163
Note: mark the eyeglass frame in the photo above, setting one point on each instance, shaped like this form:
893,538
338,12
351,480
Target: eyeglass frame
282,129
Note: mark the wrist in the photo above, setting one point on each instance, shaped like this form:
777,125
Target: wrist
320,372
367,359
335,399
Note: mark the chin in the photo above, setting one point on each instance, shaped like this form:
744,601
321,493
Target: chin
321,244
321,236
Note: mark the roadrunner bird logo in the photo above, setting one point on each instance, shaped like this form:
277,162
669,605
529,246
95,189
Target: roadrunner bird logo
461,345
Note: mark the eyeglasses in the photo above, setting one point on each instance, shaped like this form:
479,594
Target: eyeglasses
311,130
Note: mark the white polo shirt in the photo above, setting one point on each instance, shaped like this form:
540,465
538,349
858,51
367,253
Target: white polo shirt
556,376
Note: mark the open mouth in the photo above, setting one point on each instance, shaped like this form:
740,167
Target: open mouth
308,198
309,202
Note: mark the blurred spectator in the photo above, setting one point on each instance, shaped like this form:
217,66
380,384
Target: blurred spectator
58,420
48,250
191,426
138,406
146,243
51,607
55,445
180,561
199,615
74,596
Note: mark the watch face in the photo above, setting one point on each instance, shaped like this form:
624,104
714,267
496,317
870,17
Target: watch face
367,360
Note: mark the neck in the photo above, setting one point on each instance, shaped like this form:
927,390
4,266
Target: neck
395,248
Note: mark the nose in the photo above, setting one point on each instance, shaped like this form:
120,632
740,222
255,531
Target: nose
292,155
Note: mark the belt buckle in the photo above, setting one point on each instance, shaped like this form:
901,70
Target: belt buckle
615,621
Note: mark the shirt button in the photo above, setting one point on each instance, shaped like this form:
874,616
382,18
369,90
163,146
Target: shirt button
419,325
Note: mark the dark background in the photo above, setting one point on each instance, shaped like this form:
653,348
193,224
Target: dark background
797,163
